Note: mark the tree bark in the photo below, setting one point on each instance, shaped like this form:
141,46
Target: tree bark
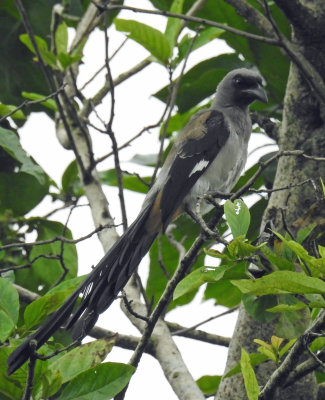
302,128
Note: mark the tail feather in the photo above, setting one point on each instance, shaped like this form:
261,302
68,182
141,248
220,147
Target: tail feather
99,290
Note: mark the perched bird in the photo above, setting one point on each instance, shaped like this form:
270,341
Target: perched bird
208,155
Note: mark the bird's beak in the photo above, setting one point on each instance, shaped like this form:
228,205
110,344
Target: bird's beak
258,93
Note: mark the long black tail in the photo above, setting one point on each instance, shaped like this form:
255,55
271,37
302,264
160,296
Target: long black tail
99,289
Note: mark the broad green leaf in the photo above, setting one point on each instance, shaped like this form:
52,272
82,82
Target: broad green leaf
7,326
305,232
46,272
174,24
47,56
250,381
292,324
205,36
102,382
277,262
238,217
130,182
45,305
5,109
280,282
255,359
9,141
71,184
240,248
81,358
9,301
9,309
10,388
164,259
209,384
66,59
287,347
61,38
223,291
49,103
316,265
197,278
24,194
150,38
258,307
50,384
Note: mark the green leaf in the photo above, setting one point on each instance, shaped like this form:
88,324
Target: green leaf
280,308
174,24
45,272
66,60
130,182
209,384
281,282
316,265
81,359
50,384
238,217
24,194
61,38
47,56
197,278
71,184
38,309
292,324
9,141
9,301
9,309
200,81
250,381
150,38
5,109
255,359
49,103
164,259
102,382
205,36
258,307
10,388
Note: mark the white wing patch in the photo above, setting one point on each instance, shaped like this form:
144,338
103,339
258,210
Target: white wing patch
198,167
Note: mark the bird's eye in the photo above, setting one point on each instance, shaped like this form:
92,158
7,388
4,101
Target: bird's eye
238,82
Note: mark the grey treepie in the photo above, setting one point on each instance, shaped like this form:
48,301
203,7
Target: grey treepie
208,155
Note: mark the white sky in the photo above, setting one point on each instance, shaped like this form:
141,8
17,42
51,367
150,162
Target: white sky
135,108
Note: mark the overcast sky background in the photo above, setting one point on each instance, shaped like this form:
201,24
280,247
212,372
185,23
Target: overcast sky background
135,108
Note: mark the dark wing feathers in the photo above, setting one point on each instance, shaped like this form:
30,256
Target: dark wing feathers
205,137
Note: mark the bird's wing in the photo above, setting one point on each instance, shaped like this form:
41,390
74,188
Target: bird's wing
198,145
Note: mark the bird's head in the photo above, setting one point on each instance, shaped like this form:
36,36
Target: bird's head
240,88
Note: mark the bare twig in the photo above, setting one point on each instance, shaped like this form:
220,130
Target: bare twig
198,20
31,370
192,328
55,239
28,103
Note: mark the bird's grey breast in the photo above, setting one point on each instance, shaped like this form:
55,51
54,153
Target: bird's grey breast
225,169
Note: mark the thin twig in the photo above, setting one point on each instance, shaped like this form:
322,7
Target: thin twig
192,328
28,103
31,371
57,239
198,20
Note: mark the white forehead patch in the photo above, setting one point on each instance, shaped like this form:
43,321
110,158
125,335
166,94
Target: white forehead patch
199,167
